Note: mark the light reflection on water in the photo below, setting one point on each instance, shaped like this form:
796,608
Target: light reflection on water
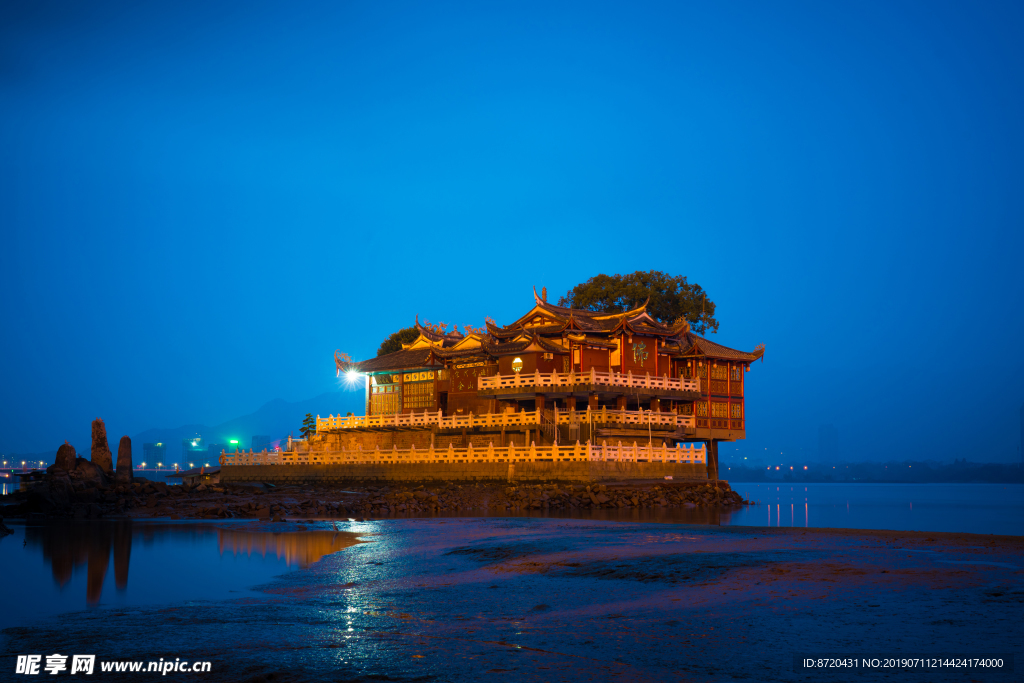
970,508
57,567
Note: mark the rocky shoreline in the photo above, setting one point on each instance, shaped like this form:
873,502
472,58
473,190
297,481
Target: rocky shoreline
60,496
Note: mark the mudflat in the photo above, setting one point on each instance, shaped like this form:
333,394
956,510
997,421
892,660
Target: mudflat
566,599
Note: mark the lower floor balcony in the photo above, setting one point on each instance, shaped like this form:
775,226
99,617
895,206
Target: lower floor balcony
605,451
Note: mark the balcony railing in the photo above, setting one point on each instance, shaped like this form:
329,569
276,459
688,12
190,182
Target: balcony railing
521,419
571,379
577,452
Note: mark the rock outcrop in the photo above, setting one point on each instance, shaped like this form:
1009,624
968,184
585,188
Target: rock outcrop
124,474
101,455
90,474
65,459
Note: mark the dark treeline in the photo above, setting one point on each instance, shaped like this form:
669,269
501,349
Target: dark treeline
908,471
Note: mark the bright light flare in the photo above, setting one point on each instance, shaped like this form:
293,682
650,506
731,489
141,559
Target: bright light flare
352,376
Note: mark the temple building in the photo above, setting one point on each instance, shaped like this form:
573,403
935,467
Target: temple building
554,376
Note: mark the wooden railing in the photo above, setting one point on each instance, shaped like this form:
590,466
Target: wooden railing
570,379
520,419
577,452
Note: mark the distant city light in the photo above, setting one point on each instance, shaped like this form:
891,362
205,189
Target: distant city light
234,441
193,443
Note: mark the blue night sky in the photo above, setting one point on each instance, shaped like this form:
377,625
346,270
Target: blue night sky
200,202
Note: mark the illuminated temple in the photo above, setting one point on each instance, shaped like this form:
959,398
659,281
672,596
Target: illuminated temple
554,377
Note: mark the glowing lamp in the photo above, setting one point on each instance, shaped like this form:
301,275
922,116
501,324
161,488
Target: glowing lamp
234,441
517,364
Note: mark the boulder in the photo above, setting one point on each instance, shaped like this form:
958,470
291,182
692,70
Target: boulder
51,497
65,459
124,474
101,455
89,473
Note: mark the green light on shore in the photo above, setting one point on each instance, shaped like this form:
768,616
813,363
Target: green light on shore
234,440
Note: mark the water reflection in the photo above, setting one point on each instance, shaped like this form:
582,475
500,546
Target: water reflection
297,550
72,546
68,546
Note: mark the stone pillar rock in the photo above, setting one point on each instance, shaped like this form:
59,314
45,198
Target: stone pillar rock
101,455
66,455
124,473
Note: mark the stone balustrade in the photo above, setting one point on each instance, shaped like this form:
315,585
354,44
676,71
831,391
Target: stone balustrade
577,452
508,420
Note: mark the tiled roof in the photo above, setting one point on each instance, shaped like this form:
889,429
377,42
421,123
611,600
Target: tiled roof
194,472
399,360
453,336
691,344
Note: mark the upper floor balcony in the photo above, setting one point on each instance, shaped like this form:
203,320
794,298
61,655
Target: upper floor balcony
509,420
583,383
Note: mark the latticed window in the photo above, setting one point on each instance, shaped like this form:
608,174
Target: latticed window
737,373
702,408
419,395
719,409
702,371
720,372
737,410
385,400
686,409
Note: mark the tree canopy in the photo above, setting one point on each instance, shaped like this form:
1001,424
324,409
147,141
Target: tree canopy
672,297
396,339
308,426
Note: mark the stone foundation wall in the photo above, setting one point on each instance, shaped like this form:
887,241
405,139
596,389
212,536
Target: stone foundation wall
491,471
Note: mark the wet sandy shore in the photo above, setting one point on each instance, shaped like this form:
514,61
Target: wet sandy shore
515,599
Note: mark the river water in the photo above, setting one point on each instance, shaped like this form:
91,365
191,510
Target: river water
969,508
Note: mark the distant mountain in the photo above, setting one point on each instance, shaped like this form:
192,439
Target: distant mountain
276,419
